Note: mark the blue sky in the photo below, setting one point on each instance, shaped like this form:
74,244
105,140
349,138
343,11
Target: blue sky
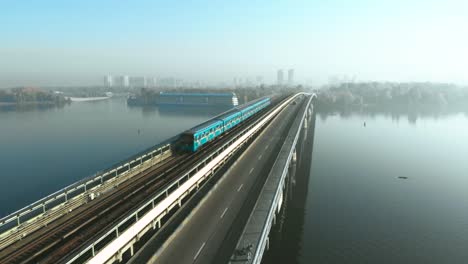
77,42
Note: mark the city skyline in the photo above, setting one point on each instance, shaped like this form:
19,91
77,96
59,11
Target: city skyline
52,43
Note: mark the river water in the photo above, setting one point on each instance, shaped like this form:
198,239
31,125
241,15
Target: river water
357,209
353,208
45,149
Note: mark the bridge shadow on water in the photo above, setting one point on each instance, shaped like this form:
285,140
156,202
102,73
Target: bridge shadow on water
285,242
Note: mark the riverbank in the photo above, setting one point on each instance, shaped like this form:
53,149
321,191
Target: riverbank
87,99
423,98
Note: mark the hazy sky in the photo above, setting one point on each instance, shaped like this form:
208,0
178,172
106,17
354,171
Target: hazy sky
77,42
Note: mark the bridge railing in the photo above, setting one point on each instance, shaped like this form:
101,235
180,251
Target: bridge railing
36,210
277,196
128,230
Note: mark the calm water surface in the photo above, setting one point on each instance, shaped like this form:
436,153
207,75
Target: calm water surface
44,150
357,210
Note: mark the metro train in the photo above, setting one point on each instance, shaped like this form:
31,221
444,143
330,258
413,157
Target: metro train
194,138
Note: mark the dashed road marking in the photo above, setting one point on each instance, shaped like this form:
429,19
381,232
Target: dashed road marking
198,252
240,187
224,212
260,157
267,146
250,172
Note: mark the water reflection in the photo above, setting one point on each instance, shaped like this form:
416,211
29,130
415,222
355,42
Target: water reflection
29,107
63,145
167,110
412,115
179,111
358,210
286,235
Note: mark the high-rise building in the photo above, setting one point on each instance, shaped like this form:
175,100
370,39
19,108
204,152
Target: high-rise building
151,81
108,81
170,82
279,77
137,81
259,80
291,77
125,81
118,81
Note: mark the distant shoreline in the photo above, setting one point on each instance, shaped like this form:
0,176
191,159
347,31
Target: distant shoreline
86,99
27,103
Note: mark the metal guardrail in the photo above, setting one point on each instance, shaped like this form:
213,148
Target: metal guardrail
92,248
266,228
10,223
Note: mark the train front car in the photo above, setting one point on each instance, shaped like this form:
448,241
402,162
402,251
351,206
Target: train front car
201,134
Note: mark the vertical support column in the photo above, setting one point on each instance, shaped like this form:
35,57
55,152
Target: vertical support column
294,156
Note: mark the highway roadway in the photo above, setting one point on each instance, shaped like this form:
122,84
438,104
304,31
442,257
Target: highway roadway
202,233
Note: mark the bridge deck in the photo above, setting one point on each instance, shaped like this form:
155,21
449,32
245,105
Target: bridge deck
203,232
257,229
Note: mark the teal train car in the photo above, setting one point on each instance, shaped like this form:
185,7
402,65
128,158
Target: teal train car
194,138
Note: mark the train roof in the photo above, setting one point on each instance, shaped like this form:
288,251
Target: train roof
204,125
252,102
227,114
213,121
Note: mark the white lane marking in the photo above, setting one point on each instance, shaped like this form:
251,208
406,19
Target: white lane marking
267,146
240,187
224,212
198,252
250,172
260,157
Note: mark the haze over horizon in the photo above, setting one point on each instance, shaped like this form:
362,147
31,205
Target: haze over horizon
53,43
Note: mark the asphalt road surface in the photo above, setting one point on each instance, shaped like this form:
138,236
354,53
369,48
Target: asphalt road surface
201,234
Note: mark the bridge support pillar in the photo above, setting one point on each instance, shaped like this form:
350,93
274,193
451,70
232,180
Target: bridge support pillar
294,156
119,256
280,203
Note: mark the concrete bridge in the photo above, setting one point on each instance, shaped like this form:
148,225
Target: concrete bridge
215,205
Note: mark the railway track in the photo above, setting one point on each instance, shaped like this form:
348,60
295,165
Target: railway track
51,244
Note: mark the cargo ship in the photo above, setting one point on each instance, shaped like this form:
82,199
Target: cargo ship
209,99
